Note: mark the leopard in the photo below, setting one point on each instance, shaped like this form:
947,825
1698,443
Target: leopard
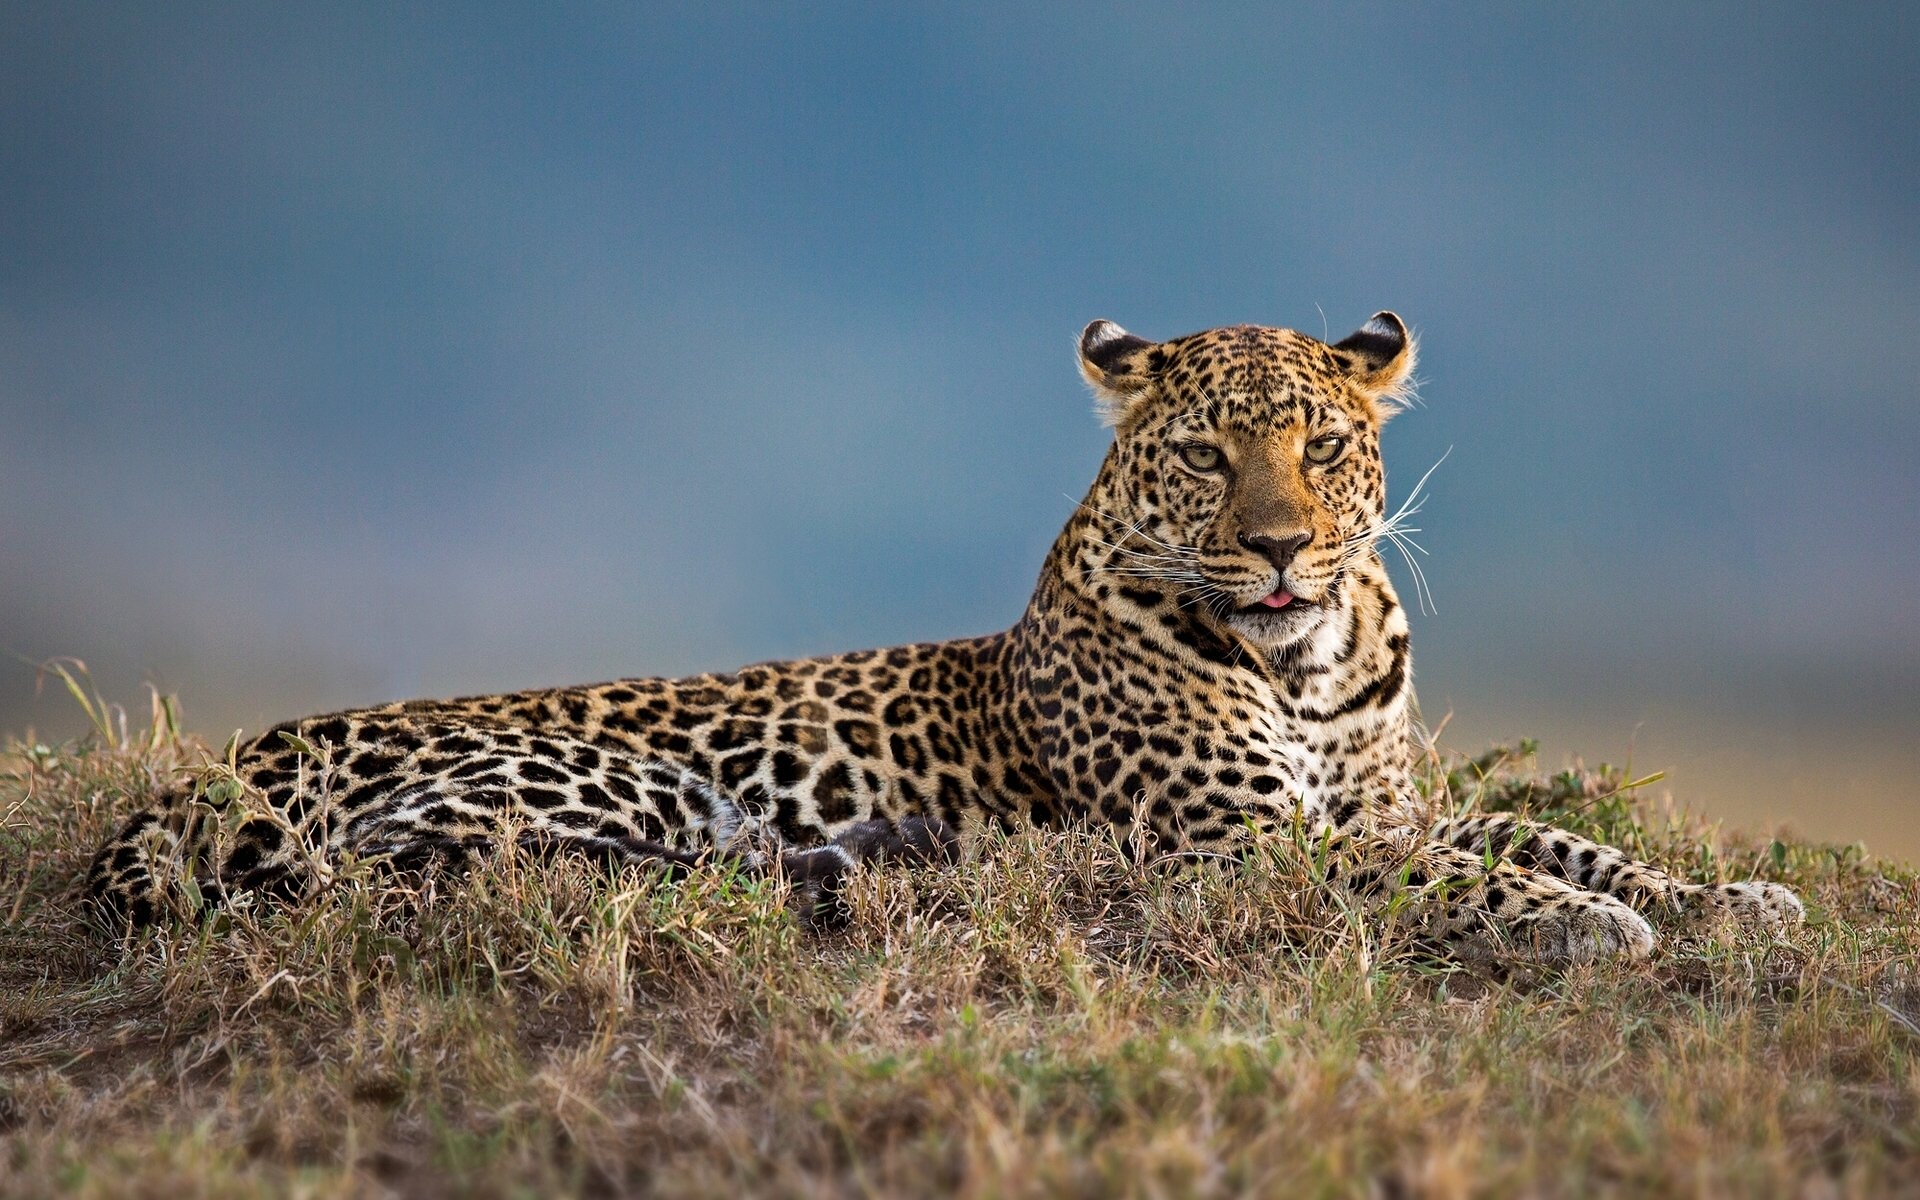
1213,654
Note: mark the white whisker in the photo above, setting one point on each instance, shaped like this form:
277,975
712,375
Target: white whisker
1398,530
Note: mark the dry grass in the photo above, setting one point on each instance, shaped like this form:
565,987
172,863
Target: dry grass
1050,1019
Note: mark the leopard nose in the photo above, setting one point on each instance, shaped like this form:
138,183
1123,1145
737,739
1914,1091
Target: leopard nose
1277,550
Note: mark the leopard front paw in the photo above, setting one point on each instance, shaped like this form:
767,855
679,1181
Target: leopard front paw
1580,928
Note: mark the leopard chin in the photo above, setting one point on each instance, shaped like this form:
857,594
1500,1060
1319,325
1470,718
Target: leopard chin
1275,628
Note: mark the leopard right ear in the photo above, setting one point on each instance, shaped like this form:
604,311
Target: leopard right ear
1380,356
1120,366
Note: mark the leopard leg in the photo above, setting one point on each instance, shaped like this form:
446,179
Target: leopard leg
1474,906
1602,868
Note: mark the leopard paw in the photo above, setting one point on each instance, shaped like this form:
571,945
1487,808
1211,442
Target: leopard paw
816,878
1583,927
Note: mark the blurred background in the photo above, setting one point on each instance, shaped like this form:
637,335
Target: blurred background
355,354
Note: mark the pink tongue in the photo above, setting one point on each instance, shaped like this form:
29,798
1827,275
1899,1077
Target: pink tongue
1277,600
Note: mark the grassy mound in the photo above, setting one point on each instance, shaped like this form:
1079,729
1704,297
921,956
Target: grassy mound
1050,1018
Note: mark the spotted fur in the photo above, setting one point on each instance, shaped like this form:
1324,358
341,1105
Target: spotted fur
1213,651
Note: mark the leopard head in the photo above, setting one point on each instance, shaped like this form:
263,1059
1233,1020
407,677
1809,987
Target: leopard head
1246,464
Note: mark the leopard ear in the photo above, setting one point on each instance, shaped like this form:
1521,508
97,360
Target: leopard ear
1120,366
1380,358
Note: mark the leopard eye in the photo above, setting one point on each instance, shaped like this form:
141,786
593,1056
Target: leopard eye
1200,456
1324,450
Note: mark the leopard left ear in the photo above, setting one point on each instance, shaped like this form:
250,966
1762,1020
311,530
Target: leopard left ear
1120,366
1380,358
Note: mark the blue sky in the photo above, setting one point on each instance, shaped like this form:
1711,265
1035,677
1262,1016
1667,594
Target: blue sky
348,354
